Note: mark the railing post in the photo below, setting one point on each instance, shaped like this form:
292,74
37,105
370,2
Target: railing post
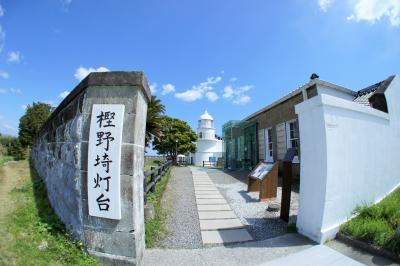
144,188
152,179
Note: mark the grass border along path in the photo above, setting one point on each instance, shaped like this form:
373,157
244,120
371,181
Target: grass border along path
5,159
377,224
33,233
156,229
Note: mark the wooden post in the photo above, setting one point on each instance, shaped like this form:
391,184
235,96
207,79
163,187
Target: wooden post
286,190
153,179
144,188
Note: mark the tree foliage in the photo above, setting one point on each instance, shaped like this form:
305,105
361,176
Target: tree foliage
16,150
155,111
10,146
31,122
177,137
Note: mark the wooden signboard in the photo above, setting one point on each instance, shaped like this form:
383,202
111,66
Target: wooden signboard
264,178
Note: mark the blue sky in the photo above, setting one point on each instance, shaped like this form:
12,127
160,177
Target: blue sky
230,57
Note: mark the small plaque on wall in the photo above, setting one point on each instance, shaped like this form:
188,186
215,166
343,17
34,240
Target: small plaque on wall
104,161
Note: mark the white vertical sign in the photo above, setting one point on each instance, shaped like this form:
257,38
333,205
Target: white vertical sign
104,160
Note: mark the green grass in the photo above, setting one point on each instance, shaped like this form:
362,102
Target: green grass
155,229
4,159
377,224
149,164
33,223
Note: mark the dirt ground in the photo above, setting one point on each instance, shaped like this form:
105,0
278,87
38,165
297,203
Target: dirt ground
12,175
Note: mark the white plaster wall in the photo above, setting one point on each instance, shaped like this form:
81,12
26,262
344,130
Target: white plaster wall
312,168
329,91
349,157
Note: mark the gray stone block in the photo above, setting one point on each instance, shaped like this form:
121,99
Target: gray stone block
116,243
60,156
127,159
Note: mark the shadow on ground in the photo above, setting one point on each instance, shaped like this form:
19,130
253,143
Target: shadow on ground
43,206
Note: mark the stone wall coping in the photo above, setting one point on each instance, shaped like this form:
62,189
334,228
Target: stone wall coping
114,78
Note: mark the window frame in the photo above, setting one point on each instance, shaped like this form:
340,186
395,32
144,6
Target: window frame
268,145
290,139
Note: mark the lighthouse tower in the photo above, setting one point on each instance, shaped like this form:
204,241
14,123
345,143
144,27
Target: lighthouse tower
209,145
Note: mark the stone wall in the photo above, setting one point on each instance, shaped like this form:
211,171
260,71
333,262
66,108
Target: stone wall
60,156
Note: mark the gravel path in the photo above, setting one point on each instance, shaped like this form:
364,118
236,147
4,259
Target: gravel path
183,221
261,224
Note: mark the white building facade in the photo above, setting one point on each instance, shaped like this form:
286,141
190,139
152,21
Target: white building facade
209,145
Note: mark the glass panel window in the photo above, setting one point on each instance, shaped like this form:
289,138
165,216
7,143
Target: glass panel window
293,136
268,145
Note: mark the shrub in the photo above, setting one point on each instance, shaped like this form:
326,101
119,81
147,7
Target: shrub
16,150
3,150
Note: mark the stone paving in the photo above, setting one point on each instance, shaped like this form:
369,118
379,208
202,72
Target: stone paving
218,223
260,223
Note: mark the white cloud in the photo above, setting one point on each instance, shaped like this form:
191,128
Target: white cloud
212,96
242,100
189,95
14,57
24,106
197,92
9,128
11,90
66,4
324,5
4,74
167,88
233,79
374,10
228,92
63,94
16,91
153,87
82,72
237,95
2,38
1,11
51,103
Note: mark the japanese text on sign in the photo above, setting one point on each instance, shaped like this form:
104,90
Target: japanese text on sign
104,159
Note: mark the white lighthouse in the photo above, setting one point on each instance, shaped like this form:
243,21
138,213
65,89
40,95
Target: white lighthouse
209,145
